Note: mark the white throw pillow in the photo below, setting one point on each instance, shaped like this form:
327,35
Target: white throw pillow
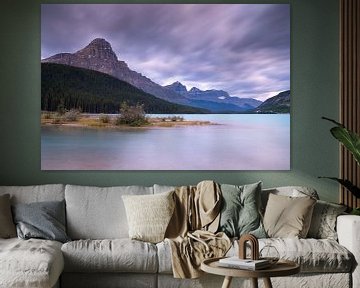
149,215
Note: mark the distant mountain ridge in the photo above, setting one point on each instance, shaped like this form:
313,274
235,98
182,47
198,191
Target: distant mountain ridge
277,104
99,56
214,100
96,92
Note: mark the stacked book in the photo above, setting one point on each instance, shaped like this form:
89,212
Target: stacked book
248,264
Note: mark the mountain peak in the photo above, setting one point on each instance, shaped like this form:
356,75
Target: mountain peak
99,41
177,87
98,48
194,90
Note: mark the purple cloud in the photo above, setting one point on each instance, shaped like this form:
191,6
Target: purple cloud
240,48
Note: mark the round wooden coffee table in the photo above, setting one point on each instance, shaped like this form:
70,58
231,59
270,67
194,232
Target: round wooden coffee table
281,268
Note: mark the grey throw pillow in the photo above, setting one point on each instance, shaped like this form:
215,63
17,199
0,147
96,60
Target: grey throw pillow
7,226
44,220
240,213
323,222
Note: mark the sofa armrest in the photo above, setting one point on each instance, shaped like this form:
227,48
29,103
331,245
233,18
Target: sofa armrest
348,230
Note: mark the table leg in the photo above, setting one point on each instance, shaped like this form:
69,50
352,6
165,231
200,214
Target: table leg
267,283
227,282
254,282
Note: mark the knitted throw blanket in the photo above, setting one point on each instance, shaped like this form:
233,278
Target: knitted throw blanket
191,232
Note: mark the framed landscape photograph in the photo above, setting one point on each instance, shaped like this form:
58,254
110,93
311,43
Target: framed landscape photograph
165,87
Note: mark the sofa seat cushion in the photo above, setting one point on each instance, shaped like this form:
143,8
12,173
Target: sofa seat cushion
30,263
313,255
115,255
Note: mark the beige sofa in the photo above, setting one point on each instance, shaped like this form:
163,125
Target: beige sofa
101,254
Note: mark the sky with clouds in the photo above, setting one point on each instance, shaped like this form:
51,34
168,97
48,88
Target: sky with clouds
243,49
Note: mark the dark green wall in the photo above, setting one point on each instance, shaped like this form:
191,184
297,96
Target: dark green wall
314,85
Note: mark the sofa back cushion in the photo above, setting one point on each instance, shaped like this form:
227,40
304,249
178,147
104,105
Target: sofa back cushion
163,188
98,212
37,193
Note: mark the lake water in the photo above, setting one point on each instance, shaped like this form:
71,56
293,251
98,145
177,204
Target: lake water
240,142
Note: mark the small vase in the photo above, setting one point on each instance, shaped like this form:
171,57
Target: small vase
270,253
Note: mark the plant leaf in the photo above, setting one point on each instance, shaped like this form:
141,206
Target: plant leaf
348,138
355,211
333,121
347,184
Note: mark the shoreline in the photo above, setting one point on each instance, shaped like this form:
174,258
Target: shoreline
85,120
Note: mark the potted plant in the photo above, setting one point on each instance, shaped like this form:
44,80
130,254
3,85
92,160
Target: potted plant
351,141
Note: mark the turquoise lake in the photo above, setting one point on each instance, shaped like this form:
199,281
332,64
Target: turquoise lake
239,142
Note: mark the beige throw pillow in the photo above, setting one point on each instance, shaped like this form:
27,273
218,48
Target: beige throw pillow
7,226
288,217
149,215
